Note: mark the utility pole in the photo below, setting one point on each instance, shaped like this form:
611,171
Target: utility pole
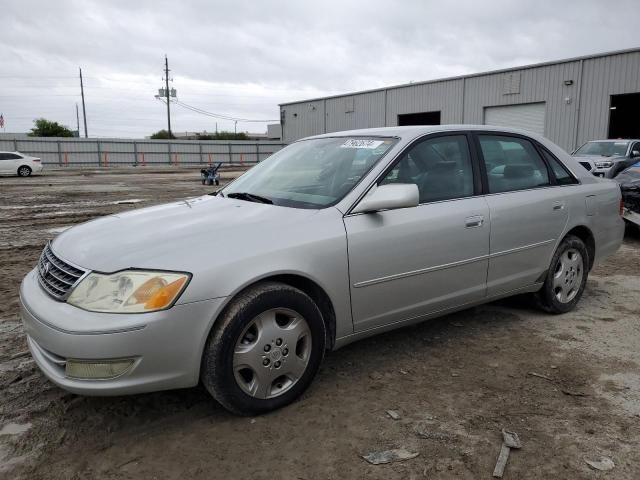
235,126
84,110
77,120
166,92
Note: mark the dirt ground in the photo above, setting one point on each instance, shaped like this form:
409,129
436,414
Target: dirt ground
455,382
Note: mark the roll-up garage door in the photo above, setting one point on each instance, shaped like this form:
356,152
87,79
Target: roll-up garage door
529,116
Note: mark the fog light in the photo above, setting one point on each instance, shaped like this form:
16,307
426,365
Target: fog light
88,370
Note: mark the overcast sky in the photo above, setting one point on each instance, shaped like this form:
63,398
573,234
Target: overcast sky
242,58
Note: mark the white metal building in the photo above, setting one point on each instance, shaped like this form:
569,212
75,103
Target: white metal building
569,101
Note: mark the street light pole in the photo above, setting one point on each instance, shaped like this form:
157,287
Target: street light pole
84,111
166,92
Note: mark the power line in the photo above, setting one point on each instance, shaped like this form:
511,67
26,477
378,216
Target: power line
219,115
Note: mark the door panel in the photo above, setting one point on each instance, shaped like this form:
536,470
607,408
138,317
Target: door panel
409,262
5,163
525,226
528,211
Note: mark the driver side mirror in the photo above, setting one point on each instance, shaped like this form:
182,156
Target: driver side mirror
635,154
389,197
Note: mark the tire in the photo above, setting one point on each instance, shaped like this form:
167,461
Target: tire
24,171
265,349
566,277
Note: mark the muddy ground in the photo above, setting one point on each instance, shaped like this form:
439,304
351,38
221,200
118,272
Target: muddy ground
455,382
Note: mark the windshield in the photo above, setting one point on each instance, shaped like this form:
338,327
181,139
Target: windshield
606,149
311,173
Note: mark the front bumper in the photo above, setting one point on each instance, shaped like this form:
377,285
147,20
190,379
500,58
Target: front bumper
166,346
600,172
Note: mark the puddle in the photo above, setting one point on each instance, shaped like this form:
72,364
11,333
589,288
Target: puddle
15,428
59,213
84,203
59,229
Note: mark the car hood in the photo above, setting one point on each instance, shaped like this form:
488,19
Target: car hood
185,235
597,158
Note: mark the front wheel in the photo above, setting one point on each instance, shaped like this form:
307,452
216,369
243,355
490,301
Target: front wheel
24,171
566,278
265,349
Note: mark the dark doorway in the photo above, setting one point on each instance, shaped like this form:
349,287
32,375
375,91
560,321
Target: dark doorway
623,116
422,118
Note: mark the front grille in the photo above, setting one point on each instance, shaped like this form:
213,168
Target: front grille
56,276
586,165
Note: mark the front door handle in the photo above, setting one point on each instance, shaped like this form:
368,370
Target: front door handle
474,221
558,205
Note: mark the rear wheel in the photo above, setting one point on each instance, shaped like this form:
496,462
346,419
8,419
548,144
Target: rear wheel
566,278
265,350
24,171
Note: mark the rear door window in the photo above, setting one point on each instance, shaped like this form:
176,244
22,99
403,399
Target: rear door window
512,164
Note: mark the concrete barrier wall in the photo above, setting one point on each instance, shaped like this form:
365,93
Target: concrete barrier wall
79,152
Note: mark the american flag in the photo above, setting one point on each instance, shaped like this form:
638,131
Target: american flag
1,121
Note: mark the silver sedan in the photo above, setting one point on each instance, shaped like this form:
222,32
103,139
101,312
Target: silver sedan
330,240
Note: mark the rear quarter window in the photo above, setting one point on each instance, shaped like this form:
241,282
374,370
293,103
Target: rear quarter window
563,176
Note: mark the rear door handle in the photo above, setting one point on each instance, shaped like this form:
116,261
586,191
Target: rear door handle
558,205
474,221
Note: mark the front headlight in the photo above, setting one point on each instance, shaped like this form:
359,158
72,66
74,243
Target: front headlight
129,291
605,164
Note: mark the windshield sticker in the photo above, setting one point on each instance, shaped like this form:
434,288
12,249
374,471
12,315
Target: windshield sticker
362,143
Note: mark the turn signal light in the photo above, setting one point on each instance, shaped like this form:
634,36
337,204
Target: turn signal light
165,295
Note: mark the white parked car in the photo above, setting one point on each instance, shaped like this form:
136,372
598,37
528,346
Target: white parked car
16,163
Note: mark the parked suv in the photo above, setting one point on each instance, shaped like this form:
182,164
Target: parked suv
332,239
16,163
607,158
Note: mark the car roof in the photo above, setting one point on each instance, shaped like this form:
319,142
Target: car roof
413,131
615,140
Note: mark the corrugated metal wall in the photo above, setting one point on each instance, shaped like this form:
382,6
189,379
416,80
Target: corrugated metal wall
540,84
79,152
355,111
603,77
444,96
574,113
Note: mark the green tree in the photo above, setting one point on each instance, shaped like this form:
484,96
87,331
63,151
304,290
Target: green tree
162,135
47,128
224,136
